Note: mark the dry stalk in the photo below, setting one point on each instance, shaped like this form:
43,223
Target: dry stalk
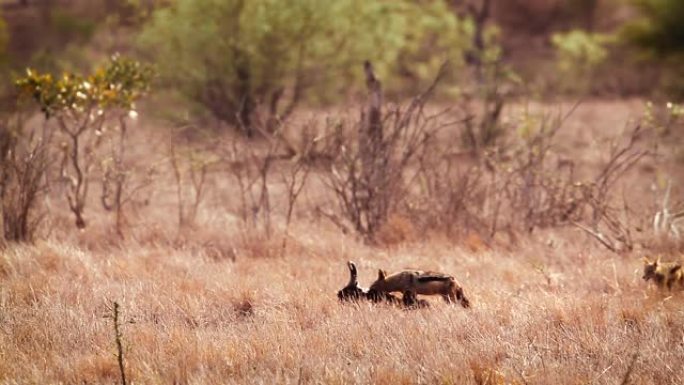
251,170
295,179
193,167
606,225
666,221
118,338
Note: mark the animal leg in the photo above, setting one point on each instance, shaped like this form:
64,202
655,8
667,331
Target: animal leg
411,300
462,298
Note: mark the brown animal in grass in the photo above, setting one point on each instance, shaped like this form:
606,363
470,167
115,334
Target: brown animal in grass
419,282
663,274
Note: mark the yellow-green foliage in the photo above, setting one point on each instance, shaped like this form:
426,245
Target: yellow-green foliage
578,54
251,49
580,47
118,84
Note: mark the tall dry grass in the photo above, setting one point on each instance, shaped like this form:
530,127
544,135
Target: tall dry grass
218,302
541,314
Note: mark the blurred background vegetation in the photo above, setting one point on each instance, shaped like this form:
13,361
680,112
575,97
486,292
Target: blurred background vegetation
244,66
244,62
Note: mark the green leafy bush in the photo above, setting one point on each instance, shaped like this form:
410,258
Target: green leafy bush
660,29
232,56
578,54
659,36
118,84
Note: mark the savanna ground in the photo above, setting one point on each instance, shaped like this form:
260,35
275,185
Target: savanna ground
218,302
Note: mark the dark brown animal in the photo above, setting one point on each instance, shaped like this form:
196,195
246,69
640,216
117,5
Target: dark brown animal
353,292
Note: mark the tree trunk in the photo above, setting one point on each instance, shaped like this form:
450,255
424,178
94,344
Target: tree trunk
244,91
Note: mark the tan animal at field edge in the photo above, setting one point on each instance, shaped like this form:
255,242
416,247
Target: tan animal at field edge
419,282
663,274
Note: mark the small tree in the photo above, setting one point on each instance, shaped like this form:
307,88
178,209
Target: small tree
81,105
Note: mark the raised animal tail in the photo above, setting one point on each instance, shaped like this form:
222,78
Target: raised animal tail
352,274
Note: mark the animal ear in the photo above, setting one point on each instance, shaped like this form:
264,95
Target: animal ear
381,275
646,260
657,261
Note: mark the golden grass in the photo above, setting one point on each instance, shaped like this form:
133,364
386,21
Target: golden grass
194,319
219,303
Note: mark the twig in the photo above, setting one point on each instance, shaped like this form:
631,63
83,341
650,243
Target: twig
599,237
119,345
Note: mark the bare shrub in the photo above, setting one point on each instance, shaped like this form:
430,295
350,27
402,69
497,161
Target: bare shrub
514,185
251,168
189,167
609,220
451,190
24,161
296,176
395,160
520,185
368,170
538,184
119,185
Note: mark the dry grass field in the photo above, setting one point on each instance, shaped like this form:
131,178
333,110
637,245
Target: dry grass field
219,302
